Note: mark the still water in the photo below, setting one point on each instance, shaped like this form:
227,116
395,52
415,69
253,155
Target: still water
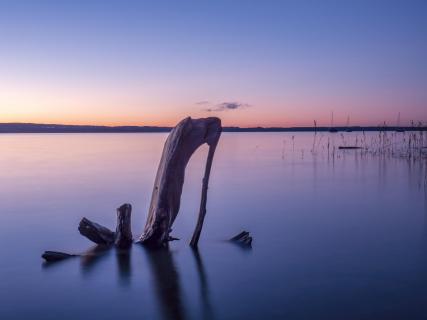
340,238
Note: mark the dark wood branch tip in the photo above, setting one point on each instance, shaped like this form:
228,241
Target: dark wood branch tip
242,238
52,256
172,238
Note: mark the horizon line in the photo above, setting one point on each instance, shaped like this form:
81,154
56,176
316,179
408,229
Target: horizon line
31,127
413,123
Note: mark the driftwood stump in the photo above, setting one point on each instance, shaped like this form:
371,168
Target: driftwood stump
101,235
181,143
122,238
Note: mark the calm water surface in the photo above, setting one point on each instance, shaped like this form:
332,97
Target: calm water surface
341,238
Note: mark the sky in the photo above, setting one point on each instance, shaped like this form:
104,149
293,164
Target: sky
251,63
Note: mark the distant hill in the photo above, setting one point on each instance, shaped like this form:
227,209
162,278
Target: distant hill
61,128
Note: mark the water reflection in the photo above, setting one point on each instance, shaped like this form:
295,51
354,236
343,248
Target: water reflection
425,206
124,266
348,235
93,257
49,264
167,283
204,286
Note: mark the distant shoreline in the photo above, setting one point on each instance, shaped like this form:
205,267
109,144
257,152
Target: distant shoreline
60,128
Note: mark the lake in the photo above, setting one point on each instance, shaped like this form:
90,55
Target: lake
341,236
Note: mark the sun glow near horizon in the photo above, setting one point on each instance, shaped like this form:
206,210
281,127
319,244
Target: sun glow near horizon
120,110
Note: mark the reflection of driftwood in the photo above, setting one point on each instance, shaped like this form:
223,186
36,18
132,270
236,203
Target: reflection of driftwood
181,143
167,282
204,288
124,266
243,238
91,257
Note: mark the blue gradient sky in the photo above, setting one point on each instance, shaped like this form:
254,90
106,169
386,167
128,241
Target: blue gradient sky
252,63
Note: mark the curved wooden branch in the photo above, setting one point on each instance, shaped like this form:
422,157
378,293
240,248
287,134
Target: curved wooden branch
204,198
181,143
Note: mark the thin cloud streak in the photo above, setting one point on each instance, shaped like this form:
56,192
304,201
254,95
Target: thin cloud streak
228,106
202,102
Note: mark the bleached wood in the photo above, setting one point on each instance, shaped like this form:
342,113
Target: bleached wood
181,143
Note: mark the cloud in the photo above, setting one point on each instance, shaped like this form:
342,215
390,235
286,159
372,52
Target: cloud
202,102
227,106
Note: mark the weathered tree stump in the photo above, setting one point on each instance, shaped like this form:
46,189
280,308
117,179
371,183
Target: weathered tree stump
101,235
123,236
181,143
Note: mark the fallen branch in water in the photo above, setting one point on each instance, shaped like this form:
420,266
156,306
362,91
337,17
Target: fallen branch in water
52,256
101,235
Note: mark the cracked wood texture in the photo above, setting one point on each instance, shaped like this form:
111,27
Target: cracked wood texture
101,235
181,143
95,232
123,237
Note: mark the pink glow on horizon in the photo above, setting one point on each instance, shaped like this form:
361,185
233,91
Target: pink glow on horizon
44,102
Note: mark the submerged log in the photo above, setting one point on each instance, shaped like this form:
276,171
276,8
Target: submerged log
123,236
243,238
102,236
181,143
51,256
